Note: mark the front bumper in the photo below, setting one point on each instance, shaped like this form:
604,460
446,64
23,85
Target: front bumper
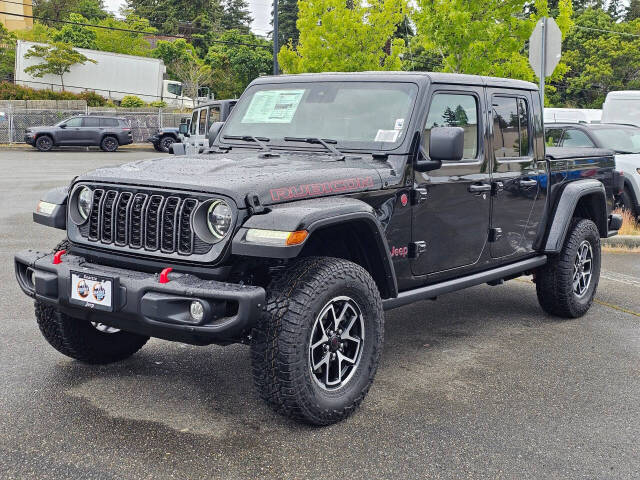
29,139
153,139
141,304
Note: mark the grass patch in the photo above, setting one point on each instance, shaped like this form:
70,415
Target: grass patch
630,225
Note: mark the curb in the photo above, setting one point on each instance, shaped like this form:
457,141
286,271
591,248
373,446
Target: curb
627,241
24,146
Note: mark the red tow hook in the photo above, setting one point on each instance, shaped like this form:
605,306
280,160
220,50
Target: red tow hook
164,275
57,257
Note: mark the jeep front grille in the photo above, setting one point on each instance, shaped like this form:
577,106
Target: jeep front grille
151,221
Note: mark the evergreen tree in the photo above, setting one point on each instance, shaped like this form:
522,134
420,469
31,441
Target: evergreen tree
236,16
287,18
176,16
616,9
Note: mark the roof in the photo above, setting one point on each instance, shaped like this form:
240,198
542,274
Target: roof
623,94
590,126
433,77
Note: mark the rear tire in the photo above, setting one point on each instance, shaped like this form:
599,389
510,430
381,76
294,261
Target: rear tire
567,284
298,315
109,144
625,202
44,143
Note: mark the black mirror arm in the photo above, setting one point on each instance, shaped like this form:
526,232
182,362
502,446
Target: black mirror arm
424,164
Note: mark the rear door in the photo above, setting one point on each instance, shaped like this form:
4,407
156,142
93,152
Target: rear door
514,172
91,130
452,204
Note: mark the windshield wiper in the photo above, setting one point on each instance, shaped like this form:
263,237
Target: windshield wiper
319,141
250,138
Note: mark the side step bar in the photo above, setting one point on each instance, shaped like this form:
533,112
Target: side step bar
431,291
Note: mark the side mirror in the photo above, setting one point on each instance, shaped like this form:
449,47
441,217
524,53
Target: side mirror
214,131
64,125
446,143
183,128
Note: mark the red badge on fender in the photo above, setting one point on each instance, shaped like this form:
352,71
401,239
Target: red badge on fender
404,199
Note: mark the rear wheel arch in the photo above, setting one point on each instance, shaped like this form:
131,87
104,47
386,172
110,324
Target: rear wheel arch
629,187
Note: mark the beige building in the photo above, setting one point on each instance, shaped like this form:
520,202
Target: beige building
15,22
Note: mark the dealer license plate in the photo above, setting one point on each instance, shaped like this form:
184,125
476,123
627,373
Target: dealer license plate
92,291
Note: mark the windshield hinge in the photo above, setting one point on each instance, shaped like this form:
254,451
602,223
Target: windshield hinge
253,203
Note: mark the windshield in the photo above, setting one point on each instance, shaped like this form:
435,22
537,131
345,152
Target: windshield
622,110
363,115
619,139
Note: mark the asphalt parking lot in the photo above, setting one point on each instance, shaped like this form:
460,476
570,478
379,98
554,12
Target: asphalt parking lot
479,384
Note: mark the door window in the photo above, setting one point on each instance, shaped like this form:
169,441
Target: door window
553,136
576,138
194,123
454,110
510,127
203,122
214,116
90,122
74,122
175,88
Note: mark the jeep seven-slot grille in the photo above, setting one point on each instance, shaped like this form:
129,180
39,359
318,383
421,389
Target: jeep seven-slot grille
150,221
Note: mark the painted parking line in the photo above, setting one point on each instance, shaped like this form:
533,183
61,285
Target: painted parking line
621,278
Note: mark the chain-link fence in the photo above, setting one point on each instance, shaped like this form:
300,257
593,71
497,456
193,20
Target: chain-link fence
17,116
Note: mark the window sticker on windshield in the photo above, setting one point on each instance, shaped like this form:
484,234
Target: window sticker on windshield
387,136
399,124
273,106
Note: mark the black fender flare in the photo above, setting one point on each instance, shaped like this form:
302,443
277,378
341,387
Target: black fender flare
58,218
312,216
566,205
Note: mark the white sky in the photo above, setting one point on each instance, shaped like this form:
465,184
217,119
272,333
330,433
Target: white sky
260,11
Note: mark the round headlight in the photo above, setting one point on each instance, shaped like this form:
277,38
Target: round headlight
219,218
84,202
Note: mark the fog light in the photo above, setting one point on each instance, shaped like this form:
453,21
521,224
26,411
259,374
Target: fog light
197,310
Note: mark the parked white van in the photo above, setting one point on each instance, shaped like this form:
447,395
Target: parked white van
622,107
572,115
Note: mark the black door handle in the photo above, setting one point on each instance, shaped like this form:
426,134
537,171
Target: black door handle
480,187
528,183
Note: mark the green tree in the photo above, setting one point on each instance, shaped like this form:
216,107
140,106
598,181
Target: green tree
164,14
482,37
7,53
234,65
124,42
346,36
76,35
287,18
174,51
236,16
131,101
54,10
598,61
39,33
57,59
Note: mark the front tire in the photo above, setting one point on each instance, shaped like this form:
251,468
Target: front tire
166,142
316,348
44,143
567,284
109,144
84,341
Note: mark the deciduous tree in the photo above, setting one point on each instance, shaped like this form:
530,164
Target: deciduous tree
346,36
77,35
57,59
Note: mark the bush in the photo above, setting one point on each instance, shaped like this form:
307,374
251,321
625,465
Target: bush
11,91
158,104
131,101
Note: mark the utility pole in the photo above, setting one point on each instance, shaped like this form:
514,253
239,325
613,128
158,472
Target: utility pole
275,37
543,59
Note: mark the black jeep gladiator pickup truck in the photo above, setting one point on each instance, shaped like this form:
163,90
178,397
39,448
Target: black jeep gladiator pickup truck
324,200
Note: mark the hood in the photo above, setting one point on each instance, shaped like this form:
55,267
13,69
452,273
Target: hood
288,177
39,129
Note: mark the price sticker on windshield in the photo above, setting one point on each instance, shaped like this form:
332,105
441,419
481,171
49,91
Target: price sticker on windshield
388,136
273,106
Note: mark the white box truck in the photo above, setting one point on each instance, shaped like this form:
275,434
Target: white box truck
113,76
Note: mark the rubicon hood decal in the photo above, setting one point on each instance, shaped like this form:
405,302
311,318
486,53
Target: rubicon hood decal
291,176
342,185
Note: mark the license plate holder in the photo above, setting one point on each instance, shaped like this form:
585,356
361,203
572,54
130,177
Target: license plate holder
93,291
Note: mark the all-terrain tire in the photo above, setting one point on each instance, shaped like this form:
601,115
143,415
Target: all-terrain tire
166,142
44,143
555,281
79,339
109,143
281,339
625,202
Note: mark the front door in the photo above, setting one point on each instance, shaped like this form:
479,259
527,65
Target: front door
515,173
452,204
71,132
